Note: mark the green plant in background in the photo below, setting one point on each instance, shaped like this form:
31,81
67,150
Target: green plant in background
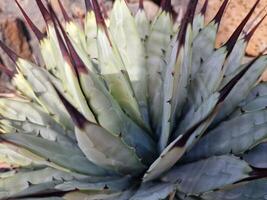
124,108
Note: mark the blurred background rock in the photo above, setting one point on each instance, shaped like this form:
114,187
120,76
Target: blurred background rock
15,33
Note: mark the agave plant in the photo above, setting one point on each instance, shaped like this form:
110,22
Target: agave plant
124,108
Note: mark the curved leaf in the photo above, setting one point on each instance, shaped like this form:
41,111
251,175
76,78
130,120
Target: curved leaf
233,136
253,190
208,174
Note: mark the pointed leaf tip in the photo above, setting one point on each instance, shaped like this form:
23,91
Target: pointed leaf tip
64,12
141,4
62,46
188,18
166,5
88,5
98,15
249,35
234,37
100,19
77,61
44,11
78,119
204,8
33,27
191,10
11,54
224,92
218,17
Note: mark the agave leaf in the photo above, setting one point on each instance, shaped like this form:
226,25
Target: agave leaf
199,20
167,96
23,115
77,36
57,47
50,49
252,72
156,47
212,70
44,91
108,185
22,157
255,190
142,24
208,174
256,157
101,147
204,42
209,75
257,104
125,34
55,153
54,182
93,188
116,76
107,150
153,191
198,24
203,46
51,55
176,149
244,132
20,109
233,63
79,43
108,113
22,181
194,116
113,69
179,75
128,138
234,60
106,109
27,116
90,29
50,132
72,79
255,101
45,188
111,117
23,86
9,156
